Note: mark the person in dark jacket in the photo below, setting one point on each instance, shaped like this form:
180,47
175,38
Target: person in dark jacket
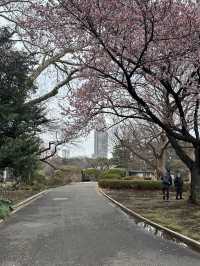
166,183
178,183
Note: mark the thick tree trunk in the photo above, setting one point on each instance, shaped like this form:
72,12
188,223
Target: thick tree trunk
195,178
160,165
162,155
195,184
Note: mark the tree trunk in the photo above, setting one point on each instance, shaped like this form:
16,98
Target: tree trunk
195,178
195,184
160,164
161,157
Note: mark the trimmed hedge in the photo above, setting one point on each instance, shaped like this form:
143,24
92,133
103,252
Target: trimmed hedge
115,173
129,184
134,184
133,178
92,172
111,176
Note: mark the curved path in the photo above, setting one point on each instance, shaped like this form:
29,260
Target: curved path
76,226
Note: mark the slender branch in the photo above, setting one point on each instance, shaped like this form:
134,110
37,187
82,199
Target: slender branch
54,91
50,164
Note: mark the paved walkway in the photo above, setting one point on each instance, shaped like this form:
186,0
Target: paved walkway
74,225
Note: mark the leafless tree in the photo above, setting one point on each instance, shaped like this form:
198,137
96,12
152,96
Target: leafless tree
145,141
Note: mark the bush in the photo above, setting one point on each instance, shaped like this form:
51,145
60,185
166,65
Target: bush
134,184
59,179
111,176
38,187
133,178
115,173
130,184
40,178
24,187
5,208
90,174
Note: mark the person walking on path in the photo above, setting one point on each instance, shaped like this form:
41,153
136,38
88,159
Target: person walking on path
166,183
178,183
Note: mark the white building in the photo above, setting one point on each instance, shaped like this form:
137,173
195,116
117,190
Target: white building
101,140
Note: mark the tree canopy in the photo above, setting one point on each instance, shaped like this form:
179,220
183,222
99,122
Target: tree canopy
19,122
140,58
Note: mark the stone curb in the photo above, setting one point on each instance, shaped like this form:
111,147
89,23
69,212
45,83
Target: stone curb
26,202
30,199
189,241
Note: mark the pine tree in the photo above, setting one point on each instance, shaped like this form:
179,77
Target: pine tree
19,121
120,156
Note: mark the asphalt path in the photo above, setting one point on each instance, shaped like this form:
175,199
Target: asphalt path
75,225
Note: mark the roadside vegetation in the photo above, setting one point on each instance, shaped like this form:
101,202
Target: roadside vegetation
134,184
5,208
97,174
178,215
145,197
13,192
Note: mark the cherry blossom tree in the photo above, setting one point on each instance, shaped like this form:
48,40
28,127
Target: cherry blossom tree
132,52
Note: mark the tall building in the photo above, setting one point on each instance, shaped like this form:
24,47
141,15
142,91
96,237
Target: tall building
101,141
65,153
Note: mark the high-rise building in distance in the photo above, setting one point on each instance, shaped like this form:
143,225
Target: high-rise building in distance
101,140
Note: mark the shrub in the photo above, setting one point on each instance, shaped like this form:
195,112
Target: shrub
129,184
111,176
91,173
133,178
115,173
38,187
133,184
5,208
59,179
40,178
24,187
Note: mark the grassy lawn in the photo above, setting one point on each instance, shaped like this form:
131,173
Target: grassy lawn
178,215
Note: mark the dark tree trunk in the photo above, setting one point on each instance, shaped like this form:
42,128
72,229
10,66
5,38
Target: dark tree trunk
193,165
161,164
195,178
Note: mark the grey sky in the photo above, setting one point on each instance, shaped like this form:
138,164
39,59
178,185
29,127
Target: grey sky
84,146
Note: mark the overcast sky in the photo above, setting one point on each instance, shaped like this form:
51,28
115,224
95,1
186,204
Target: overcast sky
84,146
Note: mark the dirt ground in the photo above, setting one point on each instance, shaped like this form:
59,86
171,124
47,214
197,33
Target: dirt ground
178,215
18,195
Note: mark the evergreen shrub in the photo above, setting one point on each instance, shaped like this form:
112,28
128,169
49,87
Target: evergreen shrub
134,184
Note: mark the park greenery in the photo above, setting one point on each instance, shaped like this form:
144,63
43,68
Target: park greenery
179,216
20,122
136,184
97,174
14,192
5,208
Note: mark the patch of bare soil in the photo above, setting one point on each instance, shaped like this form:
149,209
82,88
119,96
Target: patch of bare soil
18,195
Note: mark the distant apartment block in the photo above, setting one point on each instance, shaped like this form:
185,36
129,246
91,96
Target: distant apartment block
100,143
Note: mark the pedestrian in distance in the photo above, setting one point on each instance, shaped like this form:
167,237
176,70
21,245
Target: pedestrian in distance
166,183
178,183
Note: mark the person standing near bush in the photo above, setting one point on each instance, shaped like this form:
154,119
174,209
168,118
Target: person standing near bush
166,183
178,183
